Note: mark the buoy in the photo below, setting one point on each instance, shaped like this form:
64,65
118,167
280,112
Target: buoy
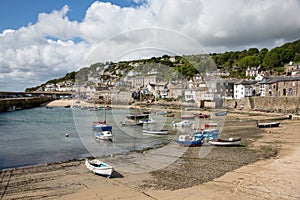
67,135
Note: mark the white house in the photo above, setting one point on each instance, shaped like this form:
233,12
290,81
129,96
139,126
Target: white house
243,88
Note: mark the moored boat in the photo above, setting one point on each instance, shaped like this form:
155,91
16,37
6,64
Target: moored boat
163,112
102,127
220,113
182,123
187,117
268,125
99,167
223,142
202,115
156,132
211,124
103,135
130,122
190,140
147,121
208,134
137,116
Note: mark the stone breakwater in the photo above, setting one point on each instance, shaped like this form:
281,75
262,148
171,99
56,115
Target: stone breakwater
22,103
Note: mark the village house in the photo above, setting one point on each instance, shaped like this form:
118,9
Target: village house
229,88
289,68
244,88
50,87
253,71
282,86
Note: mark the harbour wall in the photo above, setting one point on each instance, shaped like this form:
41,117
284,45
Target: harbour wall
267,104
22,103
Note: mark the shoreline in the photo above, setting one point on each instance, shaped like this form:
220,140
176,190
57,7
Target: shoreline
78,183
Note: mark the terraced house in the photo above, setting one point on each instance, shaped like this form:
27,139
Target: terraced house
282,86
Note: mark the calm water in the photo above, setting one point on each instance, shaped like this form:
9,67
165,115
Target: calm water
37,136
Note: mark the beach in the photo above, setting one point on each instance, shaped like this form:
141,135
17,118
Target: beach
265,166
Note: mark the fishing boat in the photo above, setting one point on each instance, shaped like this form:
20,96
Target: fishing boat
220,113
182,123
99,167
103,135
268,125
155,132
190,140
130,122
223,142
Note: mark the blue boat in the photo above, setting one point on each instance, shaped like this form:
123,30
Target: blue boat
191,140
102,127
220,113
209,134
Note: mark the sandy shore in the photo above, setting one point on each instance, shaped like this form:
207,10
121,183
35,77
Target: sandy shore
273,178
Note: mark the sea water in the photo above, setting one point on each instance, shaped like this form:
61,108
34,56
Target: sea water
38,136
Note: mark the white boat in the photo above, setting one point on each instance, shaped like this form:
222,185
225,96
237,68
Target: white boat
268,125
156,132
147,121
222,142
129,122
99,167
103,135
182,123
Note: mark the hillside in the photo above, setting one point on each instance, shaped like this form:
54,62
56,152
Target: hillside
235,62
273,60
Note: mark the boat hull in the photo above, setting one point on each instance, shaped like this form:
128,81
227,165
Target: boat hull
156,132
98,167
137,116
105,135
268,125
221,142
189,143
220,114
102,128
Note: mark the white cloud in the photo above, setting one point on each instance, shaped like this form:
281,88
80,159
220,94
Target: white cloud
49,48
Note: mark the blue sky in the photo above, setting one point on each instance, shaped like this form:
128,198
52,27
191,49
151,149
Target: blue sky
17,13
45,39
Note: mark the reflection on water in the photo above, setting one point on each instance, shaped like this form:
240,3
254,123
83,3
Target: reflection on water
36,136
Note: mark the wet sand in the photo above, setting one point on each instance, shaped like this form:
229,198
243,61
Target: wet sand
265,166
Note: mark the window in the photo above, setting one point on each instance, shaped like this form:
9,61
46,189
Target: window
284,92
290,92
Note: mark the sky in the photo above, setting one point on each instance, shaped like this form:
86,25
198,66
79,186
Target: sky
42,40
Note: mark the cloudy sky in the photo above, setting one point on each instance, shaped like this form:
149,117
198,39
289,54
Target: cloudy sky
41,40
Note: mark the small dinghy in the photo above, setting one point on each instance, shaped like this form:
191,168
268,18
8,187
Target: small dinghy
222,142
99,167
155,132
268,125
